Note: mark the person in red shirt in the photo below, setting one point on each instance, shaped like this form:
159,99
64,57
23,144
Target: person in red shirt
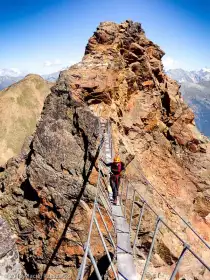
117,166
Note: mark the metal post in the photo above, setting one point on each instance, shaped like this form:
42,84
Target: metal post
126,200
138,227
184,221
106,185
88,242
105,198
151,247
132,209
105,203
98,181
110,217
106,181
179,261
106,174
94,264
105,247
105,225
80,269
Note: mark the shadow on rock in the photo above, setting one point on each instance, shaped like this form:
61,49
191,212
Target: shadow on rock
103,265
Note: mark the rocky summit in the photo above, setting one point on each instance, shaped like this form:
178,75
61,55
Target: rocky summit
121,78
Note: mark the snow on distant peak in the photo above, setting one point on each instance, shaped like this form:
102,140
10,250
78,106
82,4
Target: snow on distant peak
182,76
11,72
16,71
205,69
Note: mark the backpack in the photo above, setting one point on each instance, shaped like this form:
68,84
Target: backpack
116,168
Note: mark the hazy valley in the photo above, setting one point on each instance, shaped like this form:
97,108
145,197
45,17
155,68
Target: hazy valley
195,89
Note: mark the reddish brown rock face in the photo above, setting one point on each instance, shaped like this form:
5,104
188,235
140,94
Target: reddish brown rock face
121,77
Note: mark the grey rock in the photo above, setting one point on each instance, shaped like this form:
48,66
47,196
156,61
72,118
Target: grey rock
10,267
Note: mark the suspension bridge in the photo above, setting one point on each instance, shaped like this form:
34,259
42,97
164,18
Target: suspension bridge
121,217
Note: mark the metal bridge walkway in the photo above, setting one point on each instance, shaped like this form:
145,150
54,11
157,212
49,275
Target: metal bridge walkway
125,262
135,207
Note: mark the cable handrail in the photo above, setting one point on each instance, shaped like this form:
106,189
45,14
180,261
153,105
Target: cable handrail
159,221
172,208
102,198
87,249
148,183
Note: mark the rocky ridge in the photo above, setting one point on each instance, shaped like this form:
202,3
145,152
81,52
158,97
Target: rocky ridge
121,76
20,109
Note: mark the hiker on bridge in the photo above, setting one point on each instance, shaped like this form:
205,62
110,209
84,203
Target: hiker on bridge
117,166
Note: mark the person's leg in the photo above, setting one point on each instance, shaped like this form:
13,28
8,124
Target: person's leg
114,189
113,186
118,184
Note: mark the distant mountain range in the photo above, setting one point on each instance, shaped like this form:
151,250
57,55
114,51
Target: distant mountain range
6,81
183,76
12,72
51,77
11,76
195,88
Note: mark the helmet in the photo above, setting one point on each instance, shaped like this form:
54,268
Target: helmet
116,159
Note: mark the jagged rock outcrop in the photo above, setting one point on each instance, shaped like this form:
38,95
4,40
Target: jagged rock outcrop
50,180
121,77
20,109
41,187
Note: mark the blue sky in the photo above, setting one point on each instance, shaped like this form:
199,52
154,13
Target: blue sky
42,36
